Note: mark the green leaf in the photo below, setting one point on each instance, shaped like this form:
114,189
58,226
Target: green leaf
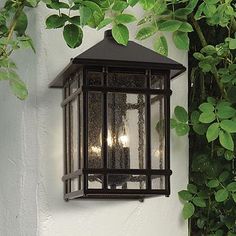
147,4
200,202
212,132
73,35
224,176
146,32
226,140
18,87
195,117
182,129
26,42
183,12
85,14
4,75
192,188
225,112
232,44
173,122
211,100
188,210
55,21
47,1
93,6
200,129
21,24
74,20
200,223
231,92
209,49
229,156
121,34
181,40
58,5
213,183
125,18
170,25
199,56
159,7
185,195
33,3
181,114
132,3
206,107
95,19
205,66
185,27
231,187
221,195
207,117
228,125
104,23
234,197
120,6
161,46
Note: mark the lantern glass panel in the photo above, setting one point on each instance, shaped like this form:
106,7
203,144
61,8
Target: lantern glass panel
67,141
74,184
94,78
158,182
157,81
157,132
126,131
126,80
74,135
74,85
95,130
126,181
95,181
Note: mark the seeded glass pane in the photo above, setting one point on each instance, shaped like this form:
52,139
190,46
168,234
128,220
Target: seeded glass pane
81,154
74,85
94,78
95,181
94,130
126,80
157,132
158,182
74,185
74,135
157,81
126,131
126,181
67,146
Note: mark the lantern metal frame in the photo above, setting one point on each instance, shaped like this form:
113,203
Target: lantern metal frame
78,70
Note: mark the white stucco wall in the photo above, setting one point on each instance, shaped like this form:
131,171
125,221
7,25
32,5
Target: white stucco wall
31,201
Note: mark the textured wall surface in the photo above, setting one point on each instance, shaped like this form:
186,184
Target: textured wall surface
31,201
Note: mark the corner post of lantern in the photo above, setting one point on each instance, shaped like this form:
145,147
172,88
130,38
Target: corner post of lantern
104,126
85,127
148,128
124,90
167,132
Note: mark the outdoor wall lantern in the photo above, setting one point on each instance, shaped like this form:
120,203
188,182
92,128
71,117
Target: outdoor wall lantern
116,105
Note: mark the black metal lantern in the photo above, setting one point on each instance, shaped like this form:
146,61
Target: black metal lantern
116,109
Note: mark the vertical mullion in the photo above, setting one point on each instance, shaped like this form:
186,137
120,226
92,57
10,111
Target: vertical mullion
167,133
79,130
148,129
85,129
104,126
69,151
65,131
